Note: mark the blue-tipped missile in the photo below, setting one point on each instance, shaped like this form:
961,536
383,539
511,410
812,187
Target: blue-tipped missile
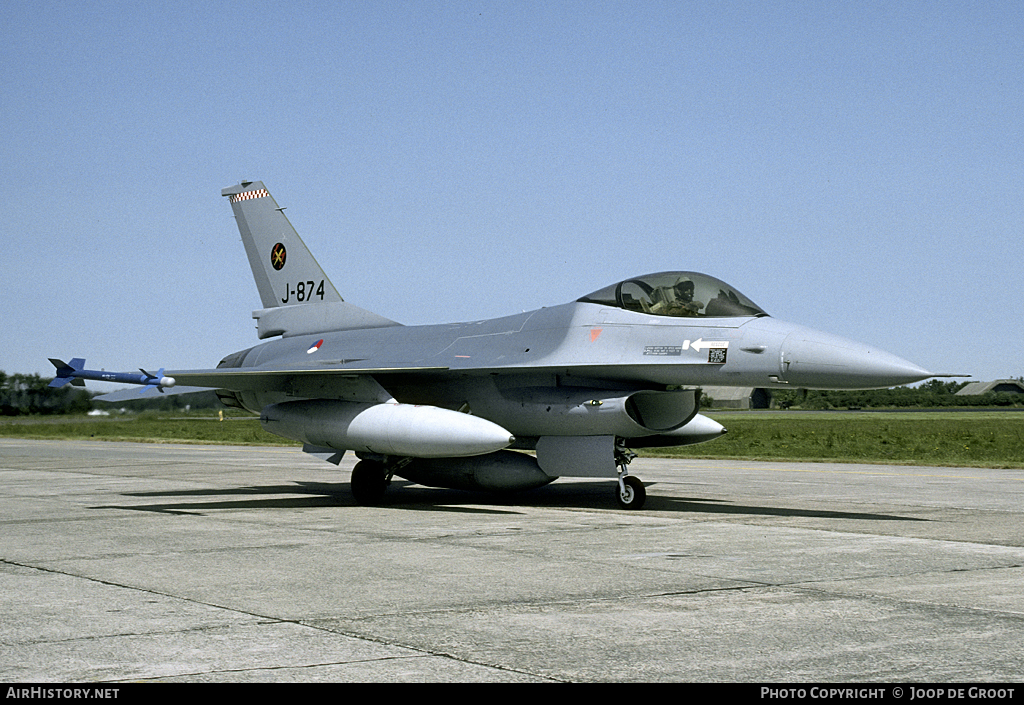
74,372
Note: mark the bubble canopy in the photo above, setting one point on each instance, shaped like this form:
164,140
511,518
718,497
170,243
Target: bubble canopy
677,294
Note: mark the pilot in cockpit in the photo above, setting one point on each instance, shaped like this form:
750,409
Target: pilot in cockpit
676,300
684,305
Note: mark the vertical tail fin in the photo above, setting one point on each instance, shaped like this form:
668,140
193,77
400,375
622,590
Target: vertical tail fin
285,270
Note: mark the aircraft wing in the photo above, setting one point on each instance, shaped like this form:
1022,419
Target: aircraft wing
350,384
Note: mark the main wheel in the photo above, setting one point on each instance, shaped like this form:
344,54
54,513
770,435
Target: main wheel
369,480
635,494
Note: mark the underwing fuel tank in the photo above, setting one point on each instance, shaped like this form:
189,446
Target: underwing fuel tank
700,429
385,428
504,471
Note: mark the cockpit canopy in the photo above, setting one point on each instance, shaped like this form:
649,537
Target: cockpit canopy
688,294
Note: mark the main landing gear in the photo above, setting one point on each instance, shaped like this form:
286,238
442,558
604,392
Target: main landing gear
370,479
630,492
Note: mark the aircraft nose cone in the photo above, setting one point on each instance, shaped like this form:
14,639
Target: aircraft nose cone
818,360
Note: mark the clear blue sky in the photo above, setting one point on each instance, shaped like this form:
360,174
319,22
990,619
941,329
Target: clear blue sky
856,167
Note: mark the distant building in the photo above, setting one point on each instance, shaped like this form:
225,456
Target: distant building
1011,386
739,397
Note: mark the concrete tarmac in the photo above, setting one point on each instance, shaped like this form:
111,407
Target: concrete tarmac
135,562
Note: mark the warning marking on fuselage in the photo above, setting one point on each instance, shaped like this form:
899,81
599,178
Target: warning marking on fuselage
717,349
663,350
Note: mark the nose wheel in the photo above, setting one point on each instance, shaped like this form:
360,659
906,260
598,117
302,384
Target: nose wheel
631,493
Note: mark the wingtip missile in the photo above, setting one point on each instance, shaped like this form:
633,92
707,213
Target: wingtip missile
74,372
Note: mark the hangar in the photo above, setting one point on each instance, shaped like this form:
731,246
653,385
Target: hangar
739,397
1011,386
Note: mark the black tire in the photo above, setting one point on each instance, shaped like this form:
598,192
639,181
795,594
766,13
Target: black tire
635,494
369,481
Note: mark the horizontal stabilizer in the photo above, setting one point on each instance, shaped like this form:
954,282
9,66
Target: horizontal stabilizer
331,455
316,318
123,395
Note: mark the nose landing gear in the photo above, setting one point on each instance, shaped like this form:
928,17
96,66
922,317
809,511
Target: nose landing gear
631,493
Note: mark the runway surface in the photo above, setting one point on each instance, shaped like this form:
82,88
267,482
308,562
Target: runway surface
134,562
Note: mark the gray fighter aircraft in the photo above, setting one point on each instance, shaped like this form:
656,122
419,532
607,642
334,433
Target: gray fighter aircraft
580,384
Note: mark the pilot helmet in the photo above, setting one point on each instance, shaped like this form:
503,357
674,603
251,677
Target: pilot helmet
684,286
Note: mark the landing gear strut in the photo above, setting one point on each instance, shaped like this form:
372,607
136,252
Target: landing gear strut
630,492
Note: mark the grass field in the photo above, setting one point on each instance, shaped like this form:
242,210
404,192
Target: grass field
959,438
148,427
970,438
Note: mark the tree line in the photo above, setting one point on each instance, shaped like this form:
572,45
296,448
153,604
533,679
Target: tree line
932,394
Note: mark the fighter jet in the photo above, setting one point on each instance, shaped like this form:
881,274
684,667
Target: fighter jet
505,404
